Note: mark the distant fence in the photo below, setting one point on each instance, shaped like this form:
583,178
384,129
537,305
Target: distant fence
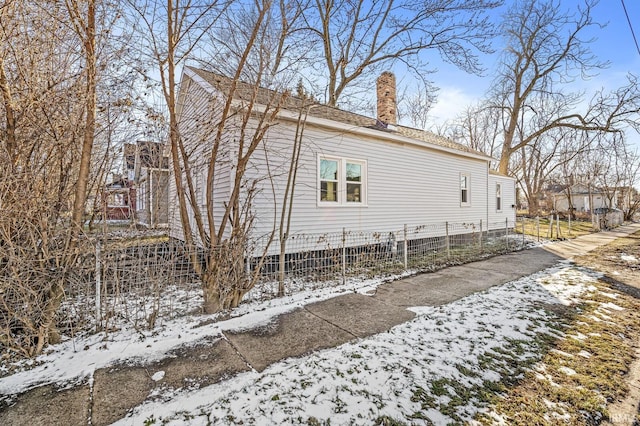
140,281
554,226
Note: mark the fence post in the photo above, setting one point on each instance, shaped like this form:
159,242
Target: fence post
98,287
446,225
550,231
523,239
506,231
538,227
557,226
405,247
569,224
344,256
481,238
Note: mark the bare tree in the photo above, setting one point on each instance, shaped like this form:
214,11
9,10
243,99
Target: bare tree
416,107
552,157
83,20
615,172
629,197
245,49
479,127
48,79
545,50
356,38
288,195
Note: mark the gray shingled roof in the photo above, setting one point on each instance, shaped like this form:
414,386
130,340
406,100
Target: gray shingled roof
245,91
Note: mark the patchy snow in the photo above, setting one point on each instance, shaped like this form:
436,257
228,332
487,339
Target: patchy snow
568,371
386,374
562,353
157,376
413,368
584,354
628,258
76,359
611,306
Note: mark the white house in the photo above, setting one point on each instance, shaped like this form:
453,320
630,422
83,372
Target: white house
354,172
583,198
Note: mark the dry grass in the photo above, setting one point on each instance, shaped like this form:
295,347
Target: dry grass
540,228
582,373
609,260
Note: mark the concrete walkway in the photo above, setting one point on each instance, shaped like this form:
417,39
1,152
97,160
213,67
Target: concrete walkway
325,324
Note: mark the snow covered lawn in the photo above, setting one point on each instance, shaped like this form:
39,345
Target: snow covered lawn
444,366
452,363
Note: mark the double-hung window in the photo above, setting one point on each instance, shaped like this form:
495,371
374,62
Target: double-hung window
498,197
341,181
465,185
329,180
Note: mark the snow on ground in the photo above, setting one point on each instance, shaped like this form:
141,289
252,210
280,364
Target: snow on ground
412,370
75,359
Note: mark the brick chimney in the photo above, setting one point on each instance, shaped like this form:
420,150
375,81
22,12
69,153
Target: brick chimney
386,91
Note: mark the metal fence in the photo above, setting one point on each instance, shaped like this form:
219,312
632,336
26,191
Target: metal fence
139,282
131,281
334,257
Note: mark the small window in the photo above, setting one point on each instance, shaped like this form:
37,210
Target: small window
341,181
498,197
464,190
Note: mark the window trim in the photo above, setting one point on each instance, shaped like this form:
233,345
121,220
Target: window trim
467,188
342,182
499,197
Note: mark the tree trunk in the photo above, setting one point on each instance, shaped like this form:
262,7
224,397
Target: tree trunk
90,121
48,331
211,294
534,205
10,122
503,165
281,264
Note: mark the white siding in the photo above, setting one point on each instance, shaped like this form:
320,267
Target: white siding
508,211
197,119
580,201
405,184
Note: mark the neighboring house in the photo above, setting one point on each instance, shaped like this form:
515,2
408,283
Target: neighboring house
355,172
118,199
582,197
147,168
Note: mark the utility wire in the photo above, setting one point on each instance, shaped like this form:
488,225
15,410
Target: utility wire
633,34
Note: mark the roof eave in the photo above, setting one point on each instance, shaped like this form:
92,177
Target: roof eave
342,127
377,134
